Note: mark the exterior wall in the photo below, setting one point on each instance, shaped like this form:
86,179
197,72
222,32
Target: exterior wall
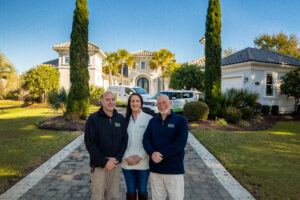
95,70
153,76
254,79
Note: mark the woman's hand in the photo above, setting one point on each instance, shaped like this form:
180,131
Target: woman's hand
133,160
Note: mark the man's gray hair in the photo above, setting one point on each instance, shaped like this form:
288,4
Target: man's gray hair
105,93
163,95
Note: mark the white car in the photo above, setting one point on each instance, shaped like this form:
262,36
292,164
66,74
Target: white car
179,99
123,92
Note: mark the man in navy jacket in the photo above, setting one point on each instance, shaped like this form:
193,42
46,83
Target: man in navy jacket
164,140
105,138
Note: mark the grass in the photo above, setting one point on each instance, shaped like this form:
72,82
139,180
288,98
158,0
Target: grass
9,103
23,146
266,162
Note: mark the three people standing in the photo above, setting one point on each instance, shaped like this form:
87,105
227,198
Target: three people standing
162,137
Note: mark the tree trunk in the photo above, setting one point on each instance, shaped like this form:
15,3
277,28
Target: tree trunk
163,78
109,78
122,69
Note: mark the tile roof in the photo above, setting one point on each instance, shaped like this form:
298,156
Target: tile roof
53,62
66,45
141,53
259,55
198,62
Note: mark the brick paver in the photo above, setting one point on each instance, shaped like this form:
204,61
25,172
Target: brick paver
70,180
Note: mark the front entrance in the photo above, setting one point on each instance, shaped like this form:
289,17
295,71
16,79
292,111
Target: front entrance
143,83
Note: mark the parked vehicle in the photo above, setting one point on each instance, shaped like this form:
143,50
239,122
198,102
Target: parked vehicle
179,99
123,92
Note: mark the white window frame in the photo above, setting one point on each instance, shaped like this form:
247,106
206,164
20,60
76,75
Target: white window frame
274,81
65,58
144,65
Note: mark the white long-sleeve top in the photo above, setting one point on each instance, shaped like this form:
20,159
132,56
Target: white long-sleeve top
136,130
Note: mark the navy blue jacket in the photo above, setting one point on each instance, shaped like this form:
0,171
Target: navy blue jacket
168,137
104,137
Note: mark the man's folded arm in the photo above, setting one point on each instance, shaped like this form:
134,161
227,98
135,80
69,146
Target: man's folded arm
124,142
89,139
147,140
180,142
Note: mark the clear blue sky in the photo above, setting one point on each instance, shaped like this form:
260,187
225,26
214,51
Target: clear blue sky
29,28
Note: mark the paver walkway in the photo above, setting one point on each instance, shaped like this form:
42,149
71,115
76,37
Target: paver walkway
70,180
205,178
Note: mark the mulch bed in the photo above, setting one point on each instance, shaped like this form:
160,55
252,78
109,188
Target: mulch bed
267,122
63,124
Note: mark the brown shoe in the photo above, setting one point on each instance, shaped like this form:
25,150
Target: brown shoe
131,196
143,197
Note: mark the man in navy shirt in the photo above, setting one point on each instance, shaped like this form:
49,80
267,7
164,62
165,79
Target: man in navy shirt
164,140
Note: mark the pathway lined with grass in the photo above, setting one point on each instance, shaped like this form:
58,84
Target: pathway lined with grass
266,162
23,146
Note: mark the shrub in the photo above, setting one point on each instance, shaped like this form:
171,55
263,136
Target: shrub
274,110
221,122
13,95
232,115
247,113
244,123
196,111
201,99
265,109
239,98
30,99
257,108
288,117
58,100
95,94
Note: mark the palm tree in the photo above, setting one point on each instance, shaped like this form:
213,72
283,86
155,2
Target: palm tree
124,57
111,65
162,59
130,61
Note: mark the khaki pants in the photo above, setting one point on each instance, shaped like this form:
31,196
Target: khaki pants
163,185
105,183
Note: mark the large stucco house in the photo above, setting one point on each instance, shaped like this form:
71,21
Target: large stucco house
96,57
139,75
259,71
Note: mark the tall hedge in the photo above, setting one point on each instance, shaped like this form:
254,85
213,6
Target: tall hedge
78,98
213,53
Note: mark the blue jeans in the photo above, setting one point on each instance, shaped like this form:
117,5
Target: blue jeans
136,180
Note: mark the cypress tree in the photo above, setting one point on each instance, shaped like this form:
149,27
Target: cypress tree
213,53
78,98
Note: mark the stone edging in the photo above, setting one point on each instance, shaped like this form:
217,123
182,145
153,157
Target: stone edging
34,177
224,177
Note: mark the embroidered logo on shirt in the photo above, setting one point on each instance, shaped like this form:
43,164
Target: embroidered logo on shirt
171,125
142,126
117,124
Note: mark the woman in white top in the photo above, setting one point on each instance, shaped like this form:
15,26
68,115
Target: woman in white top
135,164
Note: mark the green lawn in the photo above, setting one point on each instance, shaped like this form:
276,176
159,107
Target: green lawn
9,103
266,162
23,146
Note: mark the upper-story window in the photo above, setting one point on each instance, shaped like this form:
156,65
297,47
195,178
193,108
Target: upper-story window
143,65
67,60
270,83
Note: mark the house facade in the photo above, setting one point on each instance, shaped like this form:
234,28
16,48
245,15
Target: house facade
96,57
259,71
139,75
142,75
